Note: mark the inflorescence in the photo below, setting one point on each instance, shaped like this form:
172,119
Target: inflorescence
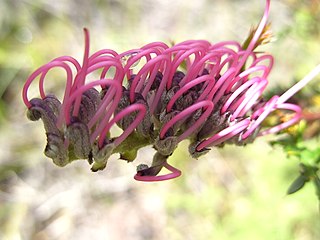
158,95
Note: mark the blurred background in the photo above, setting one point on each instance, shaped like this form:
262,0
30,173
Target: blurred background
231,193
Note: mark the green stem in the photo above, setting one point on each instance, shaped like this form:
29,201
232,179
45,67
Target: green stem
129,147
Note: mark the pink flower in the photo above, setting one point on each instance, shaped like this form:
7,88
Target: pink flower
158,95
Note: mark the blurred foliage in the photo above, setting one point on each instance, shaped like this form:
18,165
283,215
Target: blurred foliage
306,18
234,193
307,151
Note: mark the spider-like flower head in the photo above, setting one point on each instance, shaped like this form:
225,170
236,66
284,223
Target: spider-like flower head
210,94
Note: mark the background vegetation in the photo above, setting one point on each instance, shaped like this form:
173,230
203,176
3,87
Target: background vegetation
232,193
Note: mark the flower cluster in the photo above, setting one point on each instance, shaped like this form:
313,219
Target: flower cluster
210,94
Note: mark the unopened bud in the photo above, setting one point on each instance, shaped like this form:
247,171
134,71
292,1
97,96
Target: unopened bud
166,146
56,150
41,109
101,156
90,101
78,135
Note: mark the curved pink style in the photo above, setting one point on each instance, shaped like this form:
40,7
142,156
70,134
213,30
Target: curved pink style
142,111
208,105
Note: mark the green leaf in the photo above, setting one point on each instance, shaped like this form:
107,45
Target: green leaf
297,184
316,182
